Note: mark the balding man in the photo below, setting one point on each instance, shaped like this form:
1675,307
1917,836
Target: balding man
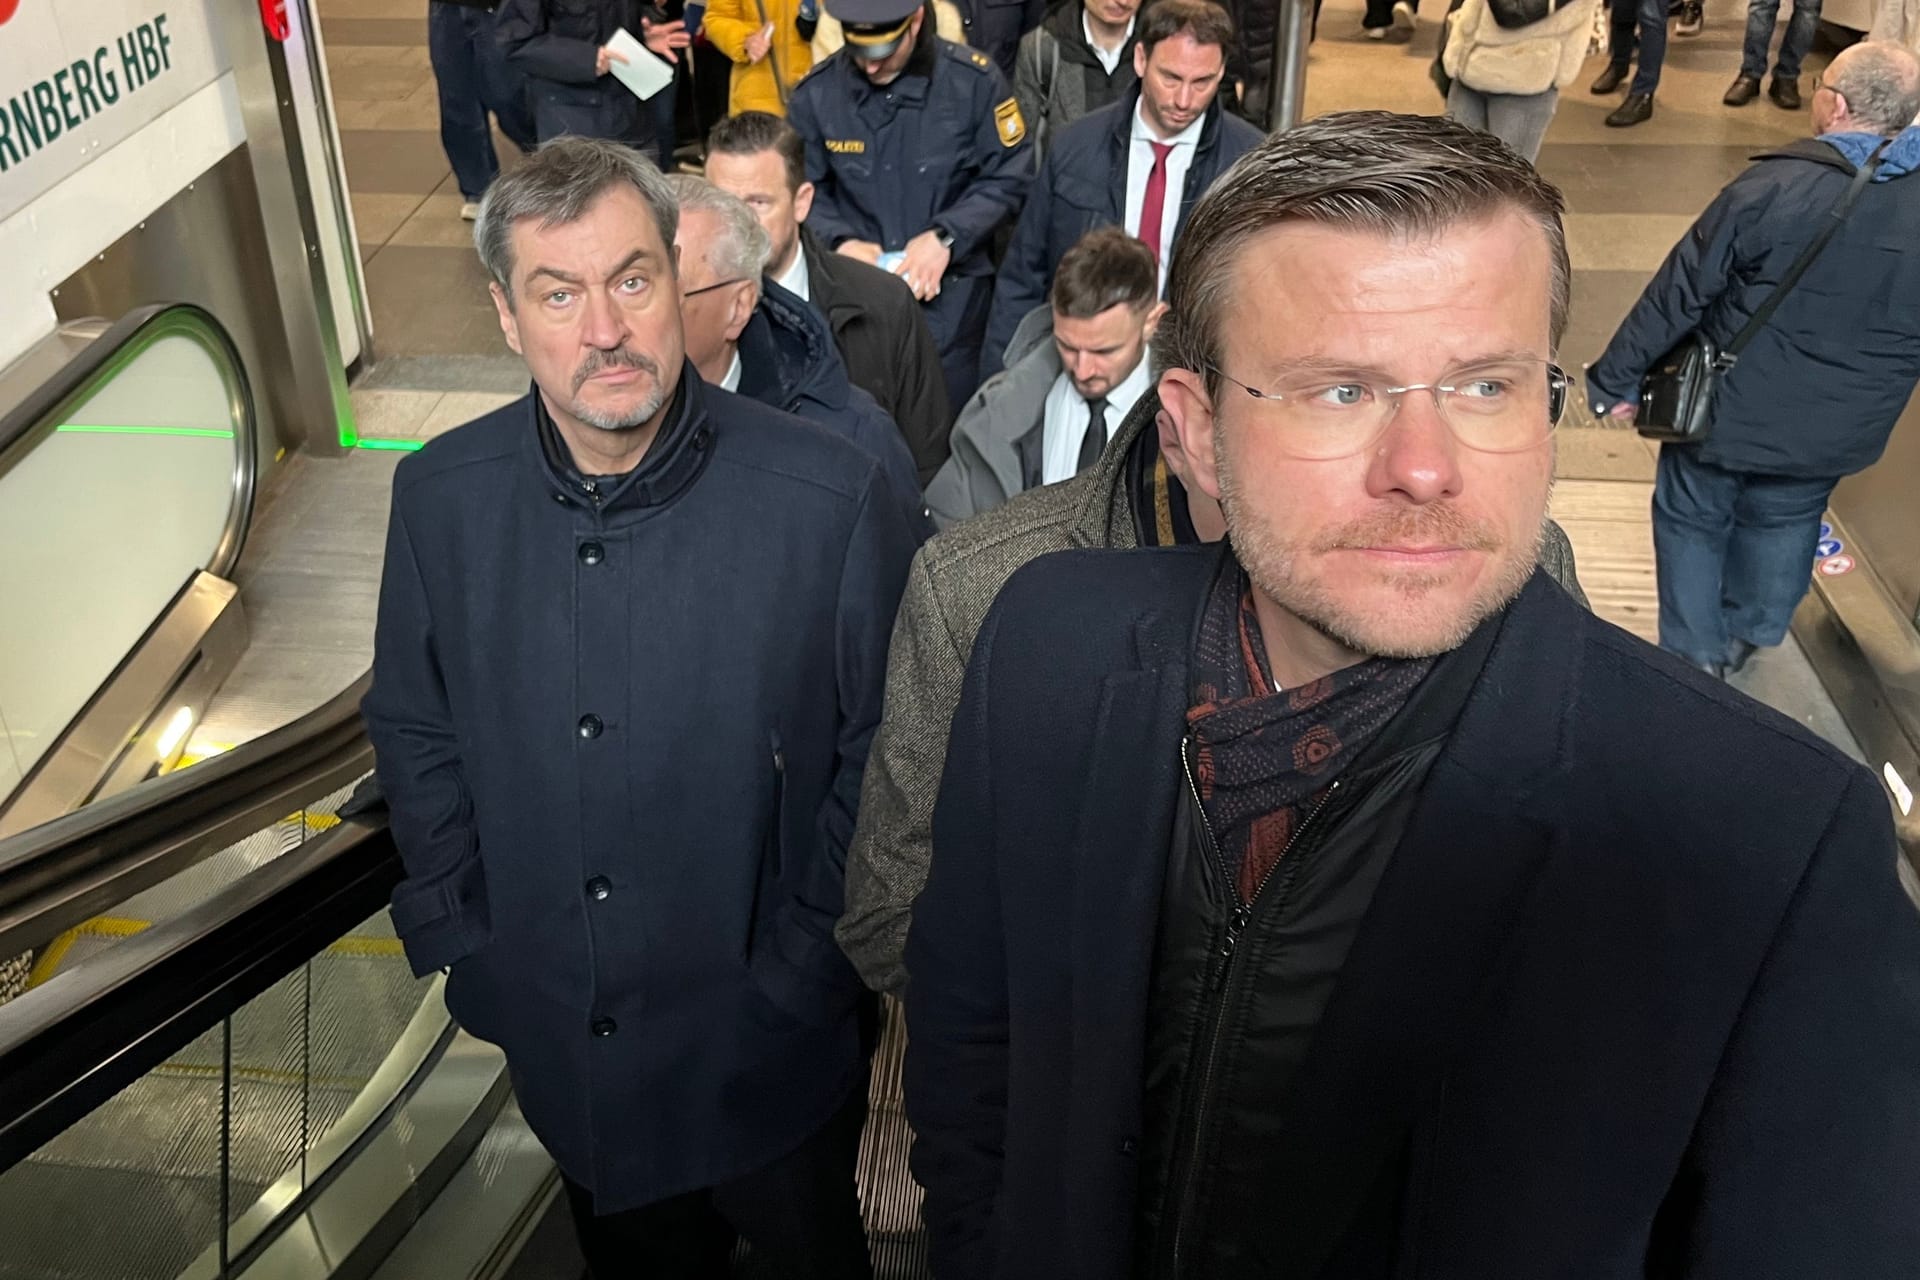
1819,388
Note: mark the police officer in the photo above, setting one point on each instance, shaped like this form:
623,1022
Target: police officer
917,153
561,46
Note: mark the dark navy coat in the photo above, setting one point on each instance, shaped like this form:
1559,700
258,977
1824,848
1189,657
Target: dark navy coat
995,26
1818,391
942,147
622,741
788,361
1638,994
1083,185
556,44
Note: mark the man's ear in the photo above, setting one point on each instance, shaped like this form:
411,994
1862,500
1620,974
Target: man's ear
509,326
1152,323
1140,61
1188,430
803,202
741,311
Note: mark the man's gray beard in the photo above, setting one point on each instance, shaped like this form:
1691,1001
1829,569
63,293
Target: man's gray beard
639,415
1270,565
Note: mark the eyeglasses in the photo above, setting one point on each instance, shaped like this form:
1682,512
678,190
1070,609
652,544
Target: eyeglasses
709,288
1504,406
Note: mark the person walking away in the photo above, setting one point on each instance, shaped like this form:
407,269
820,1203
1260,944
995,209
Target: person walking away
1785,89
471,74
769,43
1816,393
1507,78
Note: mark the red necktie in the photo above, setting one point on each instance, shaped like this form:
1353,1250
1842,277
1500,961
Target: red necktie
1156,197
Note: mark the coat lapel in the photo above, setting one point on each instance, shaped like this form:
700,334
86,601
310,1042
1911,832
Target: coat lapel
1431,948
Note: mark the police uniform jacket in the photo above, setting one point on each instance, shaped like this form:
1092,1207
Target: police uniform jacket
622,736
942,148
557,44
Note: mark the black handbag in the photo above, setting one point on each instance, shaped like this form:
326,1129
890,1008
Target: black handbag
1676,395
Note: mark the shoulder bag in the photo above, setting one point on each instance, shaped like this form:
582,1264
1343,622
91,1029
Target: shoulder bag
1676,395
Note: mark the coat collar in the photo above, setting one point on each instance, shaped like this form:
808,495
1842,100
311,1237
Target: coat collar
832,293
678,455
1121,132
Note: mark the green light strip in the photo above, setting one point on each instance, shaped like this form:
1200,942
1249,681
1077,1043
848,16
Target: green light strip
80,428
399,446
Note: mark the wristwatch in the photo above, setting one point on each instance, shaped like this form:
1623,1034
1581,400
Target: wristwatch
944,236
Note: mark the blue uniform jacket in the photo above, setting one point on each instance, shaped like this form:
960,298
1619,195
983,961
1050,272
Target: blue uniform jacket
946,150
1083,185
622,742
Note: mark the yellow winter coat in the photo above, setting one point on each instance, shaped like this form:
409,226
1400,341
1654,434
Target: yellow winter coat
752,88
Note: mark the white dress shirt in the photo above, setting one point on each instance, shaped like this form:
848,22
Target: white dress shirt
732,381
1109,58
1140,165
1067,417
794,278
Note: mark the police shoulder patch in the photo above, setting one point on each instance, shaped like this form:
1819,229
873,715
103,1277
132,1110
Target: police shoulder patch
1013,129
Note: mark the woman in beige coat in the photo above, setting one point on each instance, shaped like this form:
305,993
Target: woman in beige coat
1507,80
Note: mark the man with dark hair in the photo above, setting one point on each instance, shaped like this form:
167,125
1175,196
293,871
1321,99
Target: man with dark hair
627,665
1814,397
917,153
1076,62
1344,895
1076,374
1139,164
876,323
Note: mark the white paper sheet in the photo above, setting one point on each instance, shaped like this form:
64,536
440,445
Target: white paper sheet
642,72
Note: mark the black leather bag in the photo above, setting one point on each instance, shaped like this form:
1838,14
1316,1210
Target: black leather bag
1520,13
1676,395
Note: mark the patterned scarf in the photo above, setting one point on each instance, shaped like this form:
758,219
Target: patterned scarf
1264,757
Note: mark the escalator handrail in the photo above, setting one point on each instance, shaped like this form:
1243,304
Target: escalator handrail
20,424
69,1045
63,872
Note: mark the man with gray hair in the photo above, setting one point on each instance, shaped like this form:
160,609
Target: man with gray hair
747,335
1343,900
628,662
1816,393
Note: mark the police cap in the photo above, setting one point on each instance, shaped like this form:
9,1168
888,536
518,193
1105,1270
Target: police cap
874,28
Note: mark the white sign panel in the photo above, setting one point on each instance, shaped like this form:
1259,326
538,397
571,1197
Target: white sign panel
78,77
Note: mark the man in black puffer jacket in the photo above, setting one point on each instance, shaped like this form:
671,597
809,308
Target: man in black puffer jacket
1815,396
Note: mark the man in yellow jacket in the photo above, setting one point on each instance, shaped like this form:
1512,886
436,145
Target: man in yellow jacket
768,43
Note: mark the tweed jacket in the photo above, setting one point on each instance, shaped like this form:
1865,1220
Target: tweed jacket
953,581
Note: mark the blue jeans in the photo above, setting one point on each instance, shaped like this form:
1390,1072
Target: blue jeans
1733,553
474,79
1793,46
1648,20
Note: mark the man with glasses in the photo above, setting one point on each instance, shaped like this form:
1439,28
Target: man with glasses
1344,895
747,335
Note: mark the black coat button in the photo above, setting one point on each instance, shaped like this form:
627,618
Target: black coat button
560,498
592,553
604,1026
701,439
779,760
599,888
1128,1146
590,726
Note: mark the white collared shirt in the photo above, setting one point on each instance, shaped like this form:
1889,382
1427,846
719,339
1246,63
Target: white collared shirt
1067,416
794,278
1140,165
732,381
1110,59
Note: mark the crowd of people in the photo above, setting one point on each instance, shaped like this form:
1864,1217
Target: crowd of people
1011,536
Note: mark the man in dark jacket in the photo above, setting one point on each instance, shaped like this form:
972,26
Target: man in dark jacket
747,335
1816,394
470,72
627,668
876,323
917,154
1145,159
1076,62
1291,912
995,27
561,47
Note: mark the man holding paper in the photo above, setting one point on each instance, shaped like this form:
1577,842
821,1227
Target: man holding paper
587,72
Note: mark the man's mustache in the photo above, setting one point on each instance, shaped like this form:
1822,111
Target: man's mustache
598,362
1431,526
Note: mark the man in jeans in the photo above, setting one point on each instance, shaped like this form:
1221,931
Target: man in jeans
1818,390
474,80
1641,22
1785,89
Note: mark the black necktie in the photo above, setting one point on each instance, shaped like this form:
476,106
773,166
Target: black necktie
1095,440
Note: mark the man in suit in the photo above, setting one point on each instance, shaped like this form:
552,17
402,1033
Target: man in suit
1343,900
1138,164
875,320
